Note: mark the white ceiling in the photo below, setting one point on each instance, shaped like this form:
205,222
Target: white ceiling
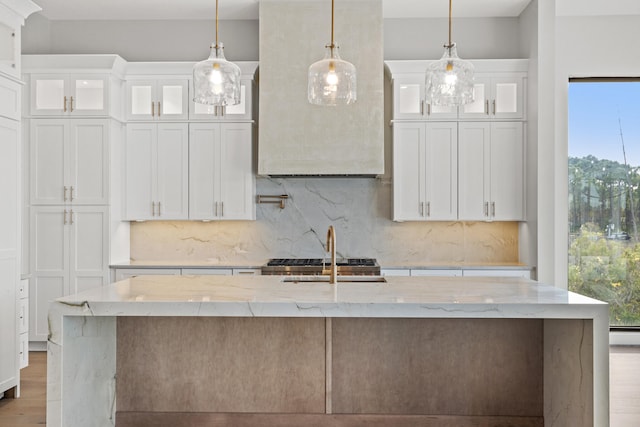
248,9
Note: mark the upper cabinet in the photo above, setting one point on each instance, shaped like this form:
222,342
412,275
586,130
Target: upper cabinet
157,99
239,112
69,95
498,96
409,101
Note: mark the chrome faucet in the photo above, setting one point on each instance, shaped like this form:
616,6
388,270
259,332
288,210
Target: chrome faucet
331,247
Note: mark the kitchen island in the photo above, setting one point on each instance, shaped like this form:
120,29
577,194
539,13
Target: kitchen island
242,351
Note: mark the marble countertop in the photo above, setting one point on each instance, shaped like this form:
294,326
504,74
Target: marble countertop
270,296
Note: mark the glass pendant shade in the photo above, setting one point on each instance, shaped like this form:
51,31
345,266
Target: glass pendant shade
332,81
449,81
216,81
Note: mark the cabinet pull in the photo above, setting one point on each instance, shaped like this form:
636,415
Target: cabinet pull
221,209
65,217
224,110
153,208
428,209
486,208
71,192
493,208
159,109
486,107
64,196
64,105
421,208
421,107
71,104
429,109
216,208
159,212
494,107
71,217
153,108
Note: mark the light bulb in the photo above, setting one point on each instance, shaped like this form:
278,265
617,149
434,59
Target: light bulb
332,78
450,79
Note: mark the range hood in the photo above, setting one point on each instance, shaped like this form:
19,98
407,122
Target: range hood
296,138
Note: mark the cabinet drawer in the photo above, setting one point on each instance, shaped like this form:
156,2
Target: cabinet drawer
431,272
23,289
497,273
247,272
23,316
207,271
126,273
23,350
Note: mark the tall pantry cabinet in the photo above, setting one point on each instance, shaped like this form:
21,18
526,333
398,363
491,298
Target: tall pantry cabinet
12,16
75,135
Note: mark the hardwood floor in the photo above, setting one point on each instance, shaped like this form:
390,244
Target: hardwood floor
30,409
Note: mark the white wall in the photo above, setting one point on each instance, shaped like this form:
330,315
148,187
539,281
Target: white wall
487,38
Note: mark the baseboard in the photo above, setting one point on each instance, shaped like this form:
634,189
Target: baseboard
37,346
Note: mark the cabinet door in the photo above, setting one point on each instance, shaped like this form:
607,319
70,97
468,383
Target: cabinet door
49,95
48,161
126,273
141,99
441,171
507,171
408,171
88,161
88,247
480,107
88,95
173,99
473,149
140,170
508,96
408,98
241,111
237,184
172,173
204,169
49,264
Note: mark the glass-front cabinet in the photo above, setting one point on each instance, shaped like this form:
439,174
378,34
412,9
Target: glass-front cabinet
238,112
155,99
69,95
409,101
496,97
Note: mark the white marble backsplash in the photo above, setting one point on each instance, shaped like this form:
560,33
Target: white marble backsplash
358,208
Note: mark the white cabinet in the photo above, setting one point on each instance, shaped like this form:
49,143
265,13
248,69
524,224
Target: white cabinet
126,273
207,271
23,323
436,272
69,254
69,161
497,273
69,95
496,96
157,179
221,181
409,101
425,171
247,272
239,112
157,99
10,104
491,166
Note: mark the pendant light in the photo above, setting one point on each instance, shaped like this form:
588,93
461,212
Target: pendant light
216,81
449,81
332,81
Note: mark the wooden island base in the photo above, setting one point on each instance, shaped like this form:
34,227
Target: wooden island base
346,372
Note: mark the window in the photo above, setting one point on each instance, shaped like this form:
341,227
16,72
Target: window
604,194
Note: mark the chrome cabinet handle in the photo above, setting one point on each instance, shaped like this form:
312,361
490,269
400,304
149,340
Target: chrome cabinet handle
159,212
221,209
421,107
494,107
486,107
64,196
64,105
153,208
71,216
421,208
64,221
486,208
159,109
493,208
429,109
71,192
71,103
153,109
216,213
428,209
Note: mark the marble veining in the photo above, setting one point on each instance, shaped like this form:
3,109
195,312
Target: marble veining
359,209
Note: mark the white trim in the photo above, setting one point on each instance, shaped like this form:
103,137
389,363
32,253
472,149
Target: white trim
624,338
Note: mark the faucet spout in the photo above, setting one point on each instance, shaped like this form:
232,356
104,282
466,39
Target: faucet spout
331,247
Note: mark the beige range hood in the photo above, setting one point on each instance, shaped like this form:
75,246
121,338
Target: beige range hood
296,138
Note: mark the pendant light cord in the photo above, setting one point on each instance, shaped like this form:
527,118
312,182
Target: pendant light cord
332,14
217,25
449,45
